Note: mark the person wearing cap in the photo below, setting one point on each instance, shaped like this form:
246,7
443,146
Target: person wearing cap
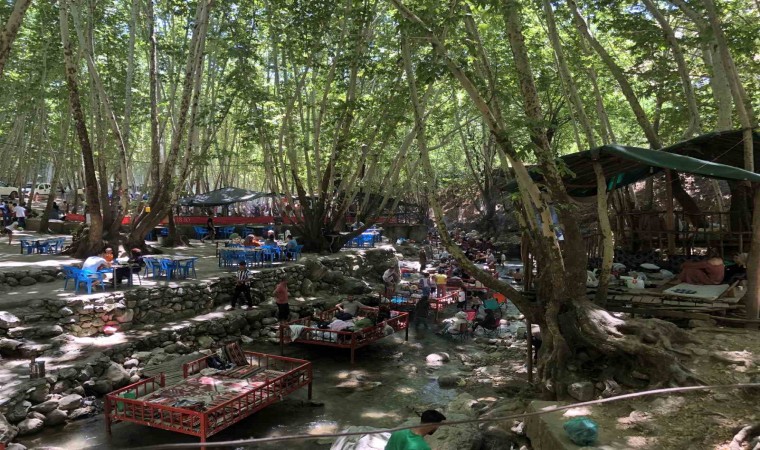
414,438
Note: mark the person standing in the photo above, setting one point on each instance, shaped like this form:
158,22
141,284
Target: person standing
9,229
414,439
389,280
421,312
440,282
423,259
426,284
20,213
210,230
281,299
242,286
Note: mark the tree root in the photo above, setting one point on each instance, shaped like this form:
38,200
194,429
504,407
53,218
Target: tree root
648,346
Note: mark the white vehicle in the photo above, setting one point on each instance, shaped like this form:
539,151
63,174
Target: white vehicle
8,191
41,189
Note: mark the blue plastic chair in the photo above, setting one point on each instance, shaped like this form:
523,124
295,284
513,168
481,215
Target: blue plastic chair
83,276
295,253
186,266
267,255
44,246
153,266
227,231
28,246
168,267
199,232
252,258
69,273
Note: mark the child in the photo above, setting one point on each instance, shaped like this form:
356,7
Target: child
9,231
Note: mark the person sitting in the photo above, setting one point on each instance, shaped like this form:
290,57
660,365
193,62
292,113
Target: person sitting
250,240
488,321
348,308
414,439
454,324
109,255
737,270
706,272
95,263
270,242
134,265
291,248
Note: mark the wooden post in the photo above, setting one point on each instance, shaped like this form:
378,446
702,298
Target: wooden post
669,218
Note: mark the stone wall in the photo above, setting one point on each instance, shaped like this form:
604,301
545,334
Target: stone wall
93,315
12,279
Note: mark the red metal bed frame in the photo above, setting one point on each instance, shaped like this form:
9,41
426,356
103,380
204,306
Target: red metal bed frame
342,339
204,424
437,304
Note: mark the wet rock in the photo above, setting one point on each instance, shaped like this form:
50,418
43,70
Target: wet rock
18,412
130,363
353,286
27,281
582,391
457,437
102,387
81,413
35,415
70,402
117,375
56,417
15,446
307,287
448,381
48,331
7,431
142,356
46,406
9,347
65,311
205,341
8,320
30,426
40,393
440,357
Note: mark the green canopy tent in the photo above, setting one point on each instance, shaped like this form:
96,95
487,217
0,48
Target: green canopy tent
623,165
222,197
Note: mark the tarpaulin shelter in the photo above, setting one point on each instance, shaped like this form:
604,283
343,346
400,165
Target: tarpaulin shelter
222,197
623,165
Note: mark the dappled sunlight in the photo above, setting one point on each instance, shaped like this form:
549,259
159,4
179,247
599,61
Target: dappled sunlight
346,374
374,414
101,341
322,427
577,412
405,390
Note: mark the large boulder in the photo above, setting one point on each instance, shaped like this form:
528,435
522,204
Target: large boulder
582,391
70,402
456,437
314,270
307,287
18,412
40,393
7,431
117,375
46,406
30,426
8,320
9,347
56,417
353,286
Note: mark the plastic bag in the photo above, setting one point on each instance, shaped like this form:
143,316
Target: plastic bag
582,431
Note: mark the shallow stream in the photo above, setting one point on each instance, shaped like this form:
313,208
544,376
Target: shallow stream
407,384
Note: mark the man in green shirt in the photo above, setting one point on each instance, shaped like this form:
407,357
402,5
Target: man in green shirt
413,439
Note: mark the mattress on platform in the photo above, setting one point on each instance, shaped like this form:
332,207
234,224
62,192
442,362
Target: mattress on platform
202,392
699,291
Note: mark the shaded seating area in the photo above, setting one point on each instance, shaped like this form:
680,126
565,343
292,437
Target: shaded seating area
41,246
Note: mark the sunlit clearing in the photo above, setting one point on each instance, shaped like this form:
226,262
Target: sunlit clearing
405,390
575,412
102,341
380,415
322,427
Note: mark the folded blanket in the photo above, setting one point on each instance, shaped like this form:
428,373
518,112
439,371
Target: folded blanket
295,331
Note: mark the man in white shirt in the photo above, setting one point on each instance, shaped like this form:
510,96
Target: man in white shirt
351,306
9,231
20,213
95,263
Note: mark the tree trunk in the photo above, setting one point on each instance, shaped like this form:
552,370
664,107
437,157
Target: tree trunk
9,31
94,240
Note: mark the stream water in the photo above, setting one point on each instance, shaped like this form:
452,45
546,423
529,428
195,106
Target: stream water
406,384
